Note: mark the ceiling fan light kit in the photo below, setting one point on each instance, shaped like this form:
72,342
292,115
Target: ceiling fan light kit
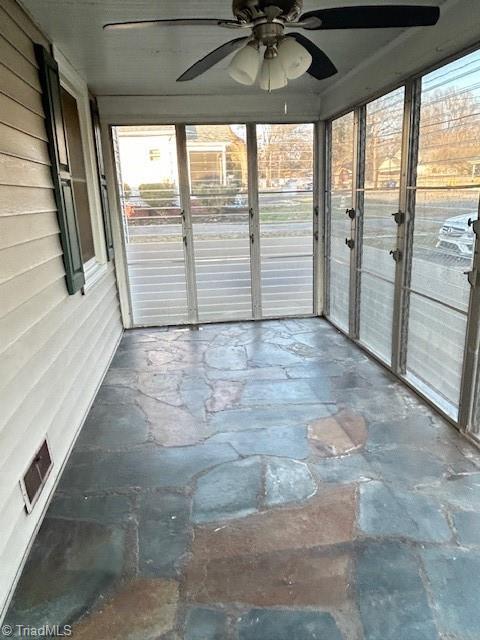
245,64
286,57
295,59
272,74
286,61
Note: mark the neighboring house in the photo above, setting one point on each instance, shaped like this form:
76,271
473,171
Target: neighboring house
149,155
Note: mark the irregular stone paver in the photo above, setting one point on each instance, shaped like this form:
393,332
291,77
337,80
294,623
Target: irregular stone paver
70,564
161,386
265,373
345,470
389,511
231,490
225,394
164,533
101,509
133,359
288,625
123,509
342,433
289,578
264,354
417,430
205,624
227,358
141,610
385,402
275,416
289,442
406,465
144,467
265,392
349,380
467,524
317,370
120,378
324,520
454,581
391,596
113,427
195,392
116,394
173,426
287,481
462,492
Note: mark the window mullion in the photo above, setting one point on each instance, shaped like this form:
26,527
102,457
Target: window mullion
357,220
405,224
254,220
188,247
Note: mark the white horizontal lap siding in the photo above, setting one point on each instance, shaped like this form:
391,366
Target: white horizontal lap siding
54,348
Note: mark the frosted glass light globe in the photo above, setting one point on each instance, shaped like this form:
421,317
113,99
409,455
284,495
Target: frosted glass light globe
245,65
295,59
272,75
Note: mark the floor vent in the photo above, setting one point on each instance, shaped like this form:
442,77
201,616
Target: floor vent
36,476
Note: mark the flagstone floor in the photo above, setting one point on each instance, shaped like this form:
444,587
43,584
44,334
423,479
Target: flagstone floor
261,481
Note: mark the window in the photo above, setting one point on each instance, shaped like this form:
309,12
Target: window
154,155
207,168
88,180
412,157
383,151
446,198
79,176
73,130
341,199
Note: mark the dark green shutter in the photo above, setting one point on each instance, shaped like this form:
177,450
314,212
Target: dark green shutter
62,180
102,180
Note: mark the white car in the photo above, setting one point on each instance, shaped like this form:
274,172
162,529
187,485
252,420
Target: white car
457,234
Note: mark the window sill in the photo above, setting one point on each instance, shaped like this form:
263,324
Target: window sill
94,272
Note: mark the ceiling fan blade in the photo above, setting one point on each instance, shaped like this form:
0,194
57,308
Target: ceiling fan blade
370,17
141,24
322,67
212,59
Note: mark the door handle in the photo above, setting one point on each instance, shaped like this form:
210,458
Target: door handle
350,243
396,254
399,217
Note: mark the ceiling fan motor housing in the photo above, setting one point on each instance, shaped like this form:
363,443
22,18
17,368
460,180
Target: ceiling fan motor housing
251,10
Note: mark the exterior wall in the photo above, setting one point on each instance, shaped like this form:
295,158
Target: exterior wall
54,348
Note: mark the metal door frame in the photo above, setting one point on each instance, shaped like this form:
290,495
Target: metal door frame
470,382
253,216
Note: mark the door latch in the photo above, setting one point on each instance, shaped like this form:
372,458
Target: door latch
350,243
399,217
396,254
351,213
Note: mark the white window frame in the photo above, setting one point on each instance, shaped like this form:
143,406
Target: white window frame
72,81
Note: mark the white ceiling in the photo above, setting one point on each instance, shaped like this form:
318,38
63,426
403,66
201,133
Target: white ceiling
148,61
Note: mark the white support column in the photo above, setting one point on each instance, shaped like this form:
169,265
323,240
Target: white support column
319,186
184,187
405,219
254,221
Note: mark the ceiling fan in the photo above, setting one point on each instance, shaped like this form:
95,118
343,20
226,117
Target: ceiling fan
275,55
